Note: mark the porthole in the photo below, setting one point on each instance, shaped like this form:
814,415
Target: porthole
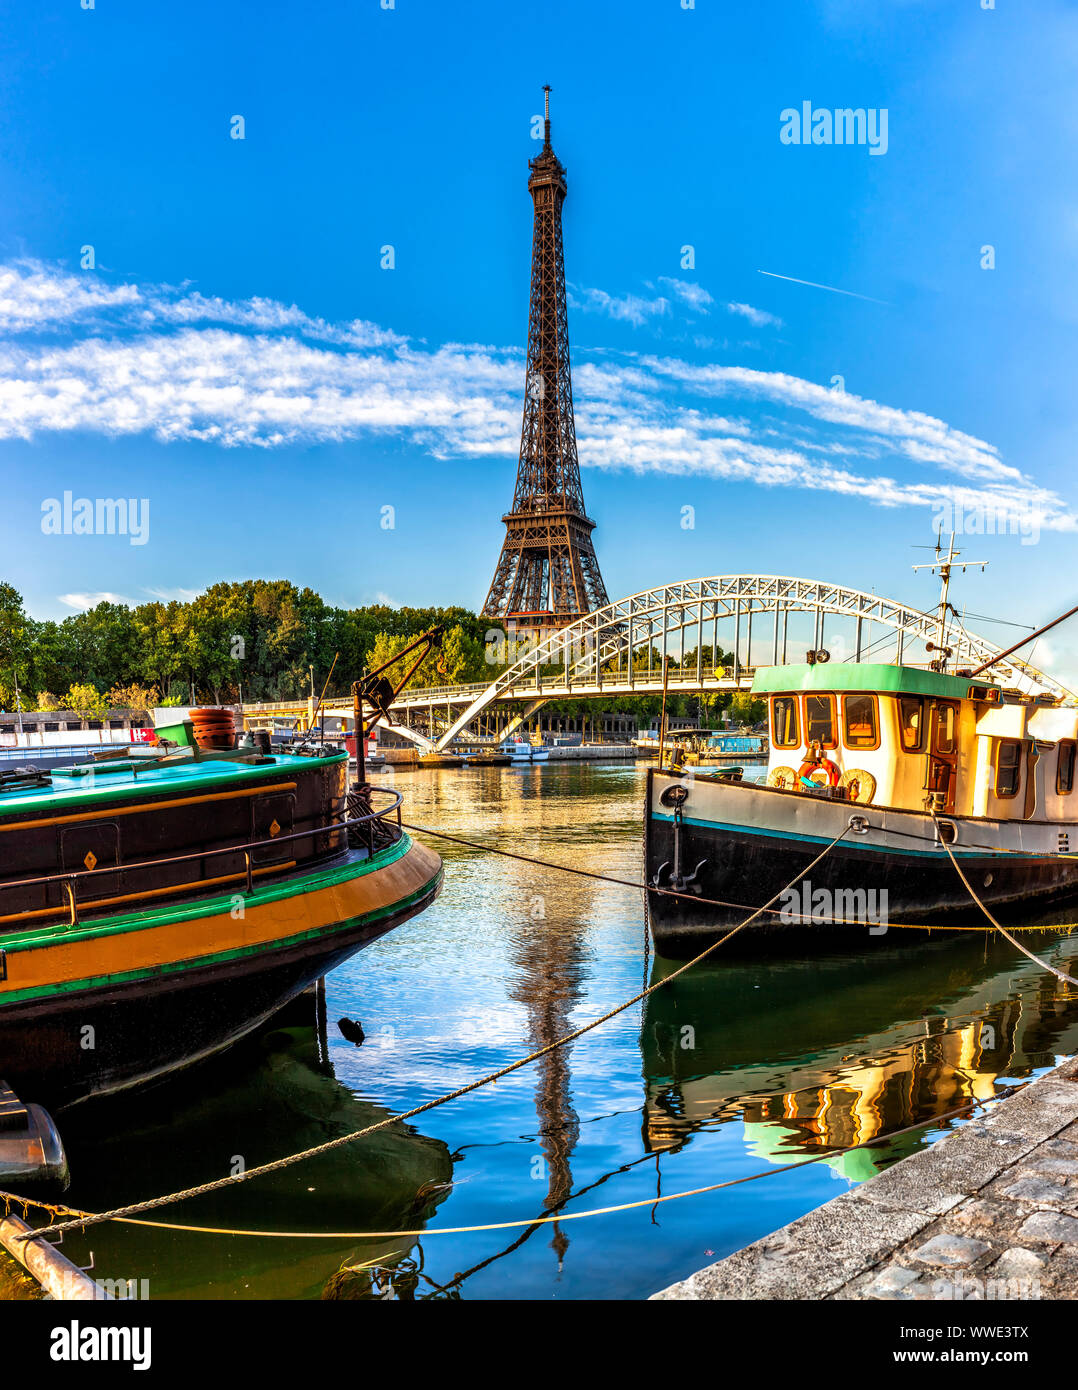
674,796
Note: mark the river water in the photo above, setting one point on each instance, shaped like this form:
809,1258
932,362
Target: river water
736,1069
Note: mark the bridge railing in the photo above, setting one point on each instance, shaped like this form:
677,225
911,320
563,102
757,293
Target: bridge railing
273,706
557,679
560,680
441,692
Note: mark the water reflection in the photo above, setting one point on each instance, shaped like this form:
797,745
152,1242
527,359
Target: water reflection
548,959
270,1096
549,975
834,1066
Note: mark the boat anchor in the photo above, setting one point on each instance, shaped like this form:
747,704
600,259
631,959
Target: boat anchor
678,882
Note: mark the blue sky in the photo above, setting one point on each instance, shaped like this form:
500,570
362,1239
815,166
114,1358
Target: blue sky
239,357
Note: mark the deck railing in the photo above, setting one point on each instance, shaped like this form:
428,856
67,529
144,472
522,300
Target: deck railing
353,826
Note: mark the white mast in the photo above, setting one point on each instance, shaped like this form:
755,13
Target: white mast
945,563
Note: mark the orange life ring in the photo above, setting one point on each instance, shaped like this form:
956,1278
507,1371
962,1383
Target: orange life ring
807,769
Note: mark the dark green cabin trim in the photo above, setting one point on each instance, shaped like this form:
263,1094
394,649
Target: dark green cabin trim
872,676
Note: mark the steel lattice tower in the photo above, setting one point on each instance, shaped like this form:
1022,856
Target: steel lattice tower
547,574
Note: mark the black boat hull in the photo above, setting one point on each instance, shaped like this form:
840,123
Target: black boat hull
74,1046
897,893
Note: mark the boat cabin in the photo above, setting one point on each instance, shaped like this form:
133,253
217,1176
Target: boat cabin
909,738
131,831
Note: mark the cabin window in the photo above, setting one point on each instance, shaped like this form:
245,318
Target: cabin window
944,738
1065,767
862,726
911,722
820,722
785,730
1008,765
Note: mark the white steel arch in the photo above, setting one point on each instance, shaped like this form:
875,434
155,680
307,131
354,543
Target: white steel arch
598,653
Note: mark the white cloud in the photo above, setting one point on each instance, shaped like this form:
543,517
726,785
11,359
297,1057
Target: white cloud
82,603
695,296
173,595
33,296
181,366
920,437
759,318
632,308
267,314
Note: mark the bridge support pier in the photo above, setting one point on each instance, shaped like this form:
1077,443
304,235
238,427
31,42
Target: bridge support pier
508,730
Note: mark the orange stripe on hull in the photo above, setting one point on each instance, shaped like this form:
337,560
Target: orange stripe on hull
60,961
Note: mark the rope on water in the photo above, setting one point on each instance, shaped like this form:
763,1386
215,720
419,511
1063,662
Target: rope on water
15,1199
93,1219
560,1216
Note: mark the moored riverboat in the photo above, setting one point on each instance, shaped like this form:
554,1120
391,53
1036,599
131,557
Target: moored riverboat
688,748
521,750
153,911
903,767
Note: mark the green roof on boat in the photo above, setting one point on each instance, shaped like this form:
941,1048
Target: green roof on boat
850,675
102,785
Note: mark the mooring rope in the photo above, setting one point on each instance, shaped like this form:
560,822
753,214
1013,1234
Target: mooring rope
558,1217
277,1164
719,902
604,878
1060,974
979,844
14,1199
83,1219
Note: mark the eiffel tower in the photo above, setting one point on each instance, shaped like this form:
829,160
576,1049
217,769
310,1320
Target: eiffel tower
547,574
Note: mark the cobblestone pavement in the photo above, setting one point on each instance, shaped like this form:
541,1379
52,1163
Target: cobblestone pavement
989,1211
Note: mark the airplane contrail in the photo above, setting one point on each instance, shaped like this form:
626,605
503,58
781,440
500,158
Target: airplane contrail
812,283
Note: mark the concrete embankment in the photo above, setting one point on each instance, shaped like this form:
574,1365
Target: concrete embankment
597,751
408,757
995,1200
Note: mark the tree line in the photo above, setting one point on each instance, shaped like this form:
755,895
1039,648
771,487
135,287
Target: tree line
256,640
257,637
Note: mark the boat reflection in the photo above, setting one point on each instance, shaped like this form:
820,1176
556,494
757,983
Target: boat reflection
272,1095
732,1042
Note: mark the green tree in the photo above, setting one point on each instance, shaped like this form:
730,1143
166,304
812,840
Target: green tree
14,643
261,634
157,635
50,667
86,701
747,709
137,697
102,645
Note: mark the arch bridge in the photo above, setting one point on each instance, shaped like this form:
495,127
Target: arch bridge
716,631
